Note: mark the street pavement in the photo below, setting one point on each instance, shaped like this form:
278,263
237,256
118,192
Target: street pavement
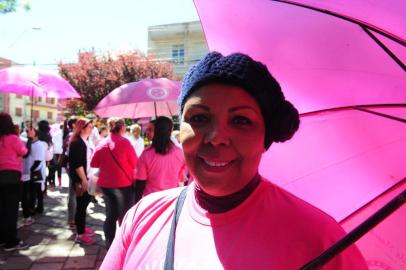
51,242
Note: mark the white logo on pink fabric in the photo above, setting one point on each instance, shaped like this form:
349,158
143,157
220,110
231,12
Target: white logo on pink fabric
157,93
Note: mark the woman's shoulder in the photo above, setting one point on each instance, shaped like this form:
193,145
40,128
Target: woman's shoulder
175,150
153,205
11,137
148,150
297,208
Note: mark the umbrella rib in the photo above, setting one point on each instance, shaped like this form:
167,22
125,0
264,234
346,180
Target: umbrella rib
352,107
391,54
357,233
360,23
381,114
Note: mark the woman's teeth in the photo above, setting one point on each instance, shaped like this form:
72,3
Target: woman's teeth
216,164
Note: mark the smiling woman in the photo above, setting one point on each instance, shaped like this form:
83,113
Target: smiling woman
232,111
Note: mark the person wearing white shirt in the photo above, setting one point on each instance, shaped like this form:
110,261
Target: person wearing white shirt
54,167
95,136
136,140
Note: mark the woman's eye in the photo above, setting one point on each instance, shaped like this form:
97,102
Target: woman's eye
241,120
198,119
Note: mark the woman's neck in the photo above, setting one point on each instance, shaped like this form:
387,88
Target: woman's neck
223,204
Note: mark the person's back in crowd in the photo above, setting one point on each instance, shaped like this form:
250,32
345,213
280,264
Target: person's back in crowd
161,165
54,166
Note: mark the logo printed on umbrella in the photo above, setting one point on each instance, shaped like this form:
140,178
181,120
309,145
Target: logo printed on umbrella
157,93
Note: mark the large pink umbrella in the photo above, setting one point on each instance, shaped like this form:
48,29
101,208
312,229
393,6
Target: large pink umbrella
145,98
329,55
31,81
314,54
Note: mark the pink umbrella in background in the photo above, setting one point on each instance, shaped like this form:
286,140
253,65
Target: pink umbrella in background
145,98
34,82
342,63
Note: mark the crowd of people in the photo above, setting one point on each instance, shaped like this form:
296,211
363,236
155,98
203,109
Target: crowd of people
108,158
227,216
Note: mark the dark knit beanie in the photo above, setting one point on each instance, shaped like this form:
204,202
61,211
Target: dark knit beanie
280,116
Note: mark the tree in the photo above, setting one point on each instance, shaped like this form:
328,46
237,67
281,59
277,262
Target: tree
7,6
96,76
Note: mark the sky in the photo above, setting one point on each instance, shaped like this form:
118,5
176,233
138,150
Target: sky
55,31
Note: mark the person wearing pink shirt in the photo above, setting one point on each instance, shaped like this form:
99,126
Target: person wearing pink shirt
116,159
230,217
12,150
161,166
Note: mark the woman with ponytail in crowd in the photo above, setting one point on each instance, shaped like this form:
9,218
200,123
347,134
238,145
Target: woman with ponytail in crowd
79,156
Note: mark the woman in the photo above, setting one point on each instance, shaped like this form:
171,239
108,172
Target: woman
40,153
69,127
136,140
116,159
161,166
54,167
80,153
12,149
232,111
33,178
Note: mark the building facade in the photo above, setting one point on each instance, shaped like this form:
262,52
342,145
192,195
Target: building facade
24,108
182,44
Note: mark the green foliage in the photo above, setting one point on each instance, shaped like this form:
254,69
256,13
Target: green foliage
7,6
96,76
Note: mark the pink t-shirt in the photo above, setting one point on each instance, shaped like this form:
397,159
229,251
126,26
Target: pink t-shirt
271,229
161,172
11,151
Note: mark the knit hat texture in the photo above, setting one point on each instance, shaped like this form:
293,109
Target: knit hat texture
281,118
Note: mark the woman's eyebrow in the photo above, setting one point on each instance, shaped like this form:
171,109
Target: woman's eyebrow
200,106
243,107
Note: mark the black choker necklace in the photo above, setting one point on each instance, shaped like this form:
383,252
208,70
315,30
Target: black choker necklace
223,204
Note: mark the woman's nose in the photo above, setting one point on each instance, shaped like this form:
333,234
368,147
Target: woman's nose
217,135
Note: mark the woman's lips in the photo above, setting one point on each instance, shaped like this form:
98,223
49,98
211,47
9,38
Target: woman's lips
216,166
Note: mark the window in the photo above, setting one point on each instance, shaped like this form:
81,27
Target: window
19,96
49,115
19,112
178,54
35,114
39,99
50,100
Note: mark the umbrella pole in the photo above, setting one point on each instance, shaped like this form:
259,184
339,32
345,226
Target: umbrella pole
169,108
32,108
155,109
356,233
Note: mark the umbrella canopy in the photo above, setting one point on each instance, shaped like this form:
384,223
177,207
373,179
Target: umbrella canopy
145,98
328,55
314,54
343,159
32,81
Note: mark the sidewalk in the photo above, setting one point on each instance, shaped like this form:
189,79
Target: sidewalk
51,242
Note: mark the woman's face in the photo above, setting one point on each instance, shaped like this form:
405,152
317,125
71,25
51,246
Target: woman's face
87,130
149,131
222,136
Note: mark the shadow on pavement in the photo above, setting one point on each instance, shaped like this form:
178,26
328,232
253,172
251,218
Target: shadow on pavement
51,242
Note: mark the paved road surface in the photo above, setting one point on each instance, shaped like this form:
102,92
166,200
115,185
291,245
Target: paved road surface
52,245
